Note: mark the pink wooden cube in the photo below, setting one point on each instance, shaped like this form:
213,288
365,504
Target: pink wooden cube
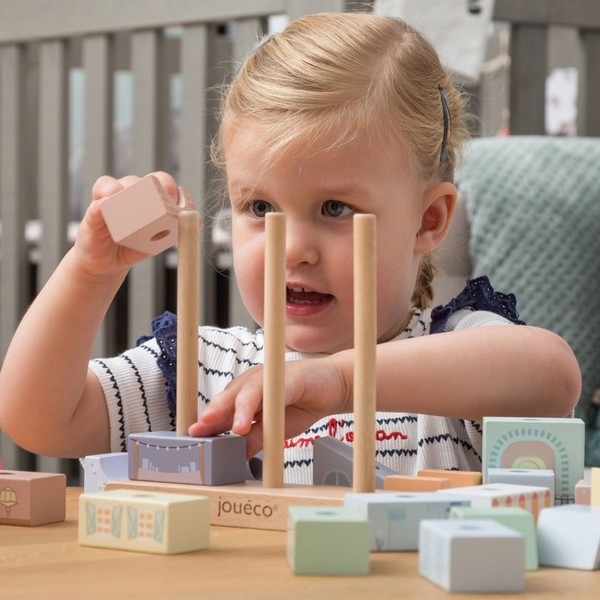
32,498
583,492
142,217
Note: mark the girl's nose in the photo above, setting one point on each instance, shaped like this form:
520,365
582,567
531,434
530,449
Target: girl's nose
301,244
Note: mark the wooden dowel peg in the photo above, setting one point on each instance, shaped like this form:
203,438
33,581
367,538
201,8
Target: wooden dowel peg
274,357
188,294
365,343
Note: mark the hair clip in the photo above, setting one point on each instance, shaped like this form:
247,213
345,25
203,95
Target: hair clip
446,113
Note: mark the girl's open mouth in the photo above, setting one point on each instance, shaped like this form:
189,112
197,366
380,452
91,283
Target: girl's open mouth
305,296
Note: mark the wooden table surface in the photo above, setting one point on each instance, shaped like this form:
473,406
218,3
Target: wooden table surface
48,562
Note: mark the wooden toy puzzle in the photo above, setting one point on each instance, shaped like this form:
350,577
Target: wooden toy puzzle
145,522
264,505
537,443
471,556
31,499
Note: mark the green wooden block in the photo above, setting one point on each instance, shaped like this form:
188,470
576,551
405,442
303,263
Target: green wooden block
516,518
328,540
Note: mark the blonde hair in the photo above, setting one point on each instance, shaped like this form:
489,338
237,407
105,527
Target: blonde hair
347,76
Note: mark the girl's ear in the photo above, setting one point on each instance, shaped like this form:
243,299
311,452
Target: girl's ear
438,206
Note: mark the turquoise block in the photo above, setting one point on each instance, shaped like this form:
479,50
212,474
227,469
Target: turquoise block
516,518
327,540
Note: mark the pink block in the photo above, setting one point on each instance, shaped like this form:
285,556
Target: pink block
142,217
583,492
32,498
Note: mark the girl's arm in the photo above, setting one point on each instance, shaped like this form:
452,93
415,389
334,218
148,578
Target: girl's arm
505,370
49,402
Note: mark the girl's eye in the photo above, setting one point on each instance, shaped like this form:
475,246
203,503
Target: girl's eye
335,208
260,208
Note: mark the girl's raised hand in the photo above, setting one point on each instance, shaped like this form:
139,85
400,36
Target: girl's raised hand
314,388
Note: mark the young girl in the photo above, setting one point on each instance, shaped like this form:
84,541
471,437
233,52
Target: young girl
339,114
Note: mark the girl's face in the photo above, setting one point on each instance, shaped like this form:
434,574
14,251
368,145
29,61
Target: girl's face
319,192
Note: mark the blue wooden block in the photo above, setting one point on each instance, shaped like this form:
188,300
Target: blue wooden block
569,536
394,516
537,443
472,556
327,540
536,477
154,522
168,458
516,518
99,469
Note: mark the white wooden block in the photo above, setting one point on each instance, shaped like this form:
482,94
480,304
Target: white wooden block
394,516
534,477
529,497
155,522
472,556
142,217
99,469
569,536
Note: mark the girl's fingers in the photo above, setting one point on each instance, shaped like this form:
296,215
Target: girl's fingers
105,186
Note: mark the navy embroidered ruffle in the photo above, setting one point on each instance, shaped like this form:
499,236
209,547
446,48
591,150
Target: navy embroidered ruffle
478,294
164,329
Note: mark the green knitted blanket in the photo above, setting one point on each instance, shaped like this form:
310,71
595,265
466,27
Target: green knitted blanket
533,204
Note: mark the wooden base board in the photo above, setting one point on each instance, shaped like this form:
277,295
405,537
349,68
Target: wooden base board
248,505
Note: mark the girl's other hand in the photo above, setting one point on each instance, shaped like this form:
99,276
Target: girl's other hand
314,388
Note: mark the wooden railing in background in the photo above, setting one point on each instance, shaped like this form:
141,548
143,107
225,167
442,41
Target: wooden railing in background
174,53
